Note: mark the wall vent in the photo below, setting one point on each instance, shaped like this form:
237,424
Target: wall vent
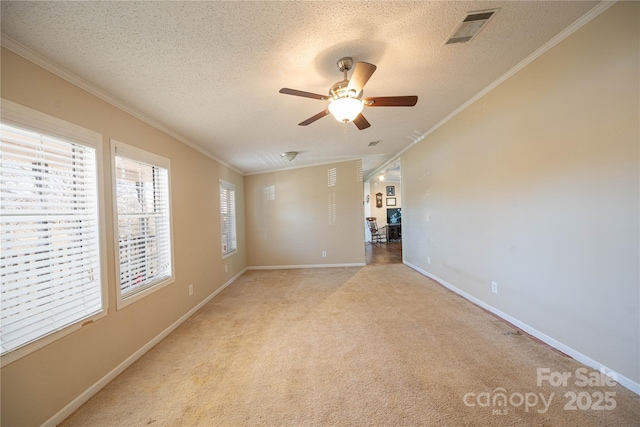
470,26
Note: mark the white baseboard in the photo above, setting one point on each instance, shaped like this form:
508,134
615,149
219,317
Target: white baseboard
102,382
288,267
623,380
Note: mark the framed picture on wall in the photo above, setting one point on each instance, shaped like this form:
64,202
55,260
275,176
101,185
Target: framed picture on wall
391,190
391,201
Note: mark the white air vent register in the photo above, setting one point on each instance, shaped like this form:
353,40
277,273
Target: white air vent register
471,26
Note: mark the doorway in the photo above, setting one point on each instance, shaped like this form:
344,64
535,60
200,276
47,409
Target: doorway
383,201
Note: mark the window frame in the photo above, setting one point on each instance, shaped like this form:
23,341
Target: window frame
22,117
130,152
229,186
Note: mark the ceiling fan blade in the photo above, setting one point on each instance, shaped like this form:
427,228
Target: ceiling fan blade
391,101
361,75
295,92
361,122
314,118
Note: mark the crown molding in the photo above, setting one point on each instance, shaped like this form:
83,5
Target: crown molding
48,65
579,23
303,166
41,61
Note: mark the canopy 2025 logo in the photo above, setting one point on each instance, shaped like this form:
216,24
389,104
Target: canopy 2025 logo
500,401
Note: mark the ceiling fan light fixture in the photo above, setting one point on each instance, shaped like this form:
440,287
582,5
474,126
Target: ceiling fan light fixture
345,109
346,96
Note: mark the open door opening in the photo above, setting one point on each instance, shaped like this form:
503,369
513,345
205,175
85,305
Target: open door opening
383,216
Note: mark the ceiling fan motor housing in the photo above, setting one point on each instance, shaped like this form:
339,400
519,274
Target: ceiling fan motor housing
340,90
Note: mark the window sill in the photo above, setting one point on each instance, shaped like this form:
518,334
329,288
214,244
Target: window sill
130,299
20,352
227,255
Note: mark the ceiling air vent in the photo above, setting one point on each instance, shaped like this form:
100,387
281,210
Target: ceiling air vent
373,143
471,26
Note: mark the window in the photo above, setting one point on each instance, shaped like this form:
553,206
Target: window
228,218
51,235
143,222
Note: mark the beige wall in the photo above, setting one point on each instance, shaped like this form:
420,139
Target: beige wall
535,186
37,386
294,215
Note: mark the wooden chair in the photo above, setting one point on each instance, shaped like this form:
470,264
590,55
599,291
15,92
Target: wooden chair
377,235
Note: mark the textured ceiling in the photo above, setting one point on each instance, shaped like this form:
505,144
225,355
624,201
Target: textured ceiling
210,71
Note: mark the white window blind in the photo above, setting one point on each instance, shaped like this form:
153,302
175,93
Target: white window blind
144,226
228,217
50,236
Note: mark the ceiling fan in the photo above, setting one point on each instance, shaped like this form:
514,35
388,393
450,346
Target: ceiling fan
345,97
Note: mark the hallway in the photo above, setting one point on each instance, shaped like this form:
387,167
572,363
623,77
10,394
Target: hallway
383,253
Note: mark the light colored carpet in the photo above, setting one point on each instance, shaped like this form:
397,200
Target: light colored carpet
380,346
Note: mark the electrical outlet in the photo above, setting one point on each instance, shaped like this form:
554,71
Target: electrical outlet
494,287
191,289
324,254
429,260
226,268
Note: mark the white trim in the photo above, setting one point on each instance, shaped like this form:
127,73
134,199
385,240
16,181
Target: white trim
228,254
48,65
54,68
23,117
96,387
579,23
582,358
122,149
289,267
304,166
134,153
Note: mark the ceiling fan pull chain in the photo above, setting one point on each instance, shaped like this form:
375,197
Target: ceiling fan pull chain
345,132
